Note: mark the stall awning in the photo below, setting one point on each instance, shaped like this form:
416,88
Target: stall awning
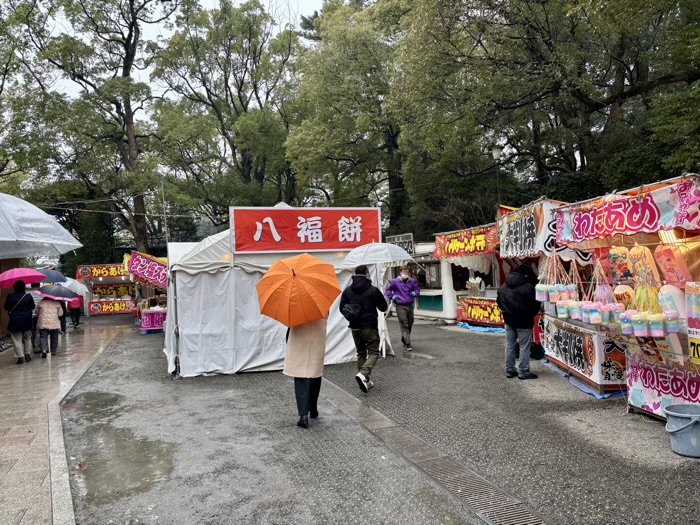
648,209
148,270
481,240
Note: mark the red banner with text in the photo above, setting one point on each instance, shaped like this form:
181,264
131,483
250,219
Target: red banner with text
268,230
95,271
148,270
475,241
111,307
478,310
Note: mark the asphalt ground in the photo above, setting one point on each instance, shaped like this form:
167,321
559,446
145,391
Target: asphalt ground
144,448
570,457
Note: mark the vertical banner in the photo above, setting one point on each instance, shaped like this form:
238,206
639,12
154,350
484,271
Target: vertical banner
692,312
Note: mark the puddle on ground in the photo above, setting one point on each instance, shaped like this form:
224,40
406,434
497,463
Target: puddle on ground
114,463
93,406
119,465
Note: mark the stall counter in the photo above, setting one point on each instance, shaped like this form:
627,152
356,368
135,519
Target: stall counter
590,354
153,320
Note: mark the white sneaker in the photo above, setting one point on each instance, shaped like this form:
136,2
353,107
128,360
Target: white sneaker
369,383
362,382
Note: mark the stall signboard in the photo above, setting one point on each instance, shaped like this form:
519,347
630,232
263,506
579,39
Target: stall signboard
524,232
465,243
479,310
269,230
672,206
654,382
148,270
111,307
117,290
97,271
405,241
152,320
593,356
692,313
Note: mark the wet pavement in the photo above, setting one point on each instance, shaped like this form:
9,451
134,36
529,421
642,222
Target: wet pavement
25,393
145,448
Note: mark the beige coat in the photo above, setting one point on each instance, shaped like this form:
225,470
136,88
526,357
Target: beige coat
48,315
306,350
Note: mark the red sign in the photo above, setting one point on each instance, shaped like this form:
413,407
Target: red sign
267,230
147,270
111,307
478,310
88,273
475,241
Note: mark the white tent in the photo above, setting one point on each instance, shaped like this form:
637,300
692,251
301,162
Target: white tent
214,325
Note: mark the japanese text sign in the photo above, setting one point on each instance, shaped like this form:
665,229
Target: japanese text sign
673,206
267,230
148,270
479,311
111,307
89,273
119,290
475,241
151,320
524,232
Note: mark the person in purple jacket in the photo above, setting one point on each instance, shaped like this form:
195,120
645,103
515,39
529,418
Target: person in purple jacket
402,291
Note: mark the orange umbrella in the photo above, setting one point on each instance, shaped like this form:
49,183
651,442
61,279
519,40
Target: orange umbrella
298,290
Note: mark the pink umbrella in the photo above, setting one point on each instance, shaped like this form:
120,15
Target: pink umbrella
29,276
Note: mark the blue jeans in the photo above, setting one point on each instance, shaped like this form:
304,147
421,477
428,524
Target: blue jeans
524,335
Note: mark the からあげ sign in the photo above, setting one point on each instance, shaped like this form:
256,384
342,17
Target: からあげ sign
111,307
118,290
474,241
673,206
97,271
148,270
269,230
476,310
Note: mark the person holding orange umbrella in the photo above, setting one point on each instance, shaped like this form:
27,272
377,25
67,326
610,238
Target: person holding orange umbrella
299,292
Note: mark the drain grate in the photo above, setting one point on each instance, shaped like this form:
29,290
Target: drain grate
484,498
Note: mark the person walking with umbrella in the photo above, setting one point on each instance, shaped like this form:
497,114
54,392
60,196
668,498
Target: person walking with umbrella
20,307
298,292
359,304
49,313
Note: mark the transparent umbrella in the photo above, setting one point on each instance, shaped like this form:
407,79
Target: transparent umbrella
27,231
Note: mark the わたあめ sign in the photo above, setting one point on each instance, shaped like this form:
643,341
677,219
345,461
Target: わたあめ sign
269,230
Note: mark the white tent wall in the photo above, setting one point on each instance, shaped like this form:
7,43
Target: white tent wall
217,327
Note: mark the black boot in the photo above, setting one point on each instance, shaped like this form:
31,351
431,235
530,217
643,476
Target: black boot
27,358
20,360
303,422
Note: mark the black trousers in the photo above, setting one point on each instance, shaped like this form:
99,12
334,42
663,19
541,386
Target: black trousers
75,316
306,391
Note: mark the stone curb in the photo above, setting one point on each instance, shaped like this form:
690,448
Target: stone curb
61,499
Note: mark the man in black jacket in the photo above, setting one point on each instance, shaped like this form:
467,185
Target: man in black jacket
517,302
359,304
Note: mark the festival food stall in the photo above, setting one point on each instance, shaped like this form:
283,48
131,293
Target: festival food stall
528,235
151,272
110,290
641,311
474,250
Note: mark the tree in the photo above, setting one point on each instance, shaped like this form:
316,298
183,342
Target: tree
101,54
347,147
223,134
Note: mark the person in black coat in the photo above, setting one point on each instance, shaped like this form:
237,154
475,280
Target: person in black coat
359,304
517,302
20,306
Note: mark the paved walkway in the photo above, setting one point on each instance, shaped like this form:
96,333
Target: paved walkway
25,393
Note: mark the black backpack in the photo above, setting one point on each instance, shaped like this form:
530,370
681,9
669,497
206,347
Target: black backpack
353,311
